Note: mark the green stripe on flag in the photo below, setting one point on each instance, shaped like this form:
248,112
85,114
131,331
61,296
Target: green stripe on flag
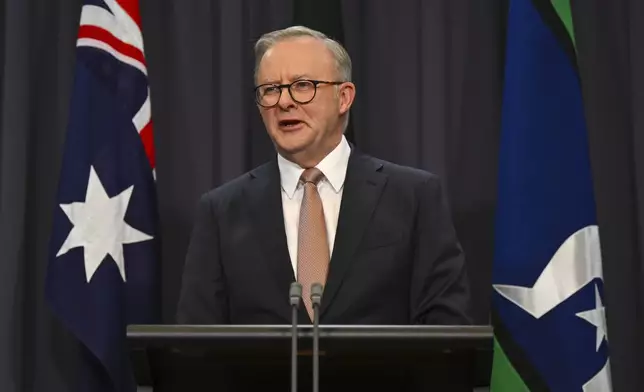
565,14
504,377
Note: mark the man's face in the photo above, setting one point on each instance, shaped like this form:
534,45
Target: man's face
304,133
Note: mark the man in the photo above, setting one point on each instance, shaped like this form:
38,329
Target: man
376,235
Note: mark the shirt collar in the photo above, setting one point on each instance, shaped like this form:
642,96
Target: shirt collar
333,166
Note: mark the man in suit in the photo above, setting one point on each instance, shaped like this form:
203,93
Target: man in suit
376,235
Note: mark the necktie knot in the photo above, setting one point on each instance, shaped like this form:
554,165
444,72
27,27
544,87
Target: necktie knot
312,175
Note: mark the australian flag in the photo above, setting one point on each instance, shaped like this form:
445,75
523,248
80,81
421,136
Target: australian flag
548,312
103,265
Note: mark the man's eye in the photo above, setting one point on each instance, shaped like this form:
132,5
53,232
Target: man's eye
302,85
271,90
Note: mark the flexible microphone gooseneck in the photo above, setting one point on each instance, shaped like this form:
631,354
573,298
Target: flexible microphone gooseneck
295,295
316,299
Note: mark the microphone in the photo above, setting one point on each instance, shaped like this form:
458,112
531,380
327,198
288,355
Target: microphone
316,299
295,294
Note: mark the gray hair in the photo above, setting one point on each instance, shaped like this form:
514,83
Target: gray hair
342,59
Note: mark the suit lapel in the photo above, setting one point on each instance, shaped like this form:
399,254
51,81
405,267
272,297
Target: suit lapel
265,202
362,188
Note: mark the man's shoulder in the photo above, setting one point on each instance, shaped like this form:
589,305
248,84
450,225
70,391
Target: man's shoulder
403,174
233,188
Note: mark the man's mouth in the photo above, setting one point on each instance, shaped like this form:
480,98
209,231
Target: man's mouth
290,124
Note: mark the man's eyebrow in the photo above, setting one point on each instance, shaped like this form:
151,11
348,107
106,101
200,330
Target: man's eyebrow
294,78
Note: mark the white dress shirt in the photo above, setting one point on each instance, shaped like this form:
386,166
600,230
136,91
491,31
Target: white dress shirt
334,168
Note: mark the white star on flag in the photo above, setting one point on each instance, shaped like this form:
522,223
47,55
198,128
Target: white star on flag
99,226
596,317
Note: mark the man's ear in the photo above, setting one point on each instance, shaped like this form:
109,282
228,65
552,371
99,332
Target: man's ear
346,95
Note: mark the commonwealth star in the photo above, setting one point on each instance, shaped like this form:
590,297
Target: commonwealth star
99,226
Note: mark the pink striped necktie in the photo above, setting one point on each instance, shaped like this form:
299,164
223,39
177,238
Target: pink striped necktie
312,245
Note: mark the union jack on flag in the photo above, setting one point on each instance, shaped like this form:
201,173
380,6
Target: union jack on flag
103,263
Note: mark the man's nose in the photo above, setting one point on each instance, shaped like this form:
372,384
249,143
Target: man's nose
286,101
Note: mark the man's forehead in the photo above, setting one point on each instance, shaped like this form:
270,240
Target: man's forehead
300,56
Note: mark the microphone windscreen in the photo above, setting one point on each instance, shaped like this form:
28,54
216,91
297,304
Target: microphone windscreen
295,293
316,292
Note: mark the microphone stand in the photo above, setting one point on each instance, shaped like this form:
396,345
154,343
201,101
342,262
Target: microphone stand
316,299
295,294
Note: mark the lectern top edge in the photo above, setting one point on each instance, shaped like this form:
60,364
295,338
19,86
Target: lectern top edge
476,332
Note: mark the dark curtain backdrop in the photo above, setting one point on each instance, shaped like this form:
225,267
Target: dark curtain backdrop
429,77
610,42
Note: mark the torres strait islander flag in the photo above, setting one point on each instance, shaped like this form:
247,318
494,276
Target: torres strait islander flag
548,312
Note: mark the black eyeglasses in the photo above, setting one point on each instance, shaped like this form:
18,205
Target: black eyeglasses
302,91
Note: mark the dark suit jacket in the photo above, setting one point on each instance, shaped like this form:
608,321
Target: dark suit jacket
396,258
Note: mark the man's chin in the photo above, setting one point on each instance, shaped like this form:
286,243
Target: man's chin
292,143
291,149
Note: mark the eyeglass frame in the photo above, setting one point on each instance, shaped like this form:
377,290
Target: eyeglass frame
288,87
